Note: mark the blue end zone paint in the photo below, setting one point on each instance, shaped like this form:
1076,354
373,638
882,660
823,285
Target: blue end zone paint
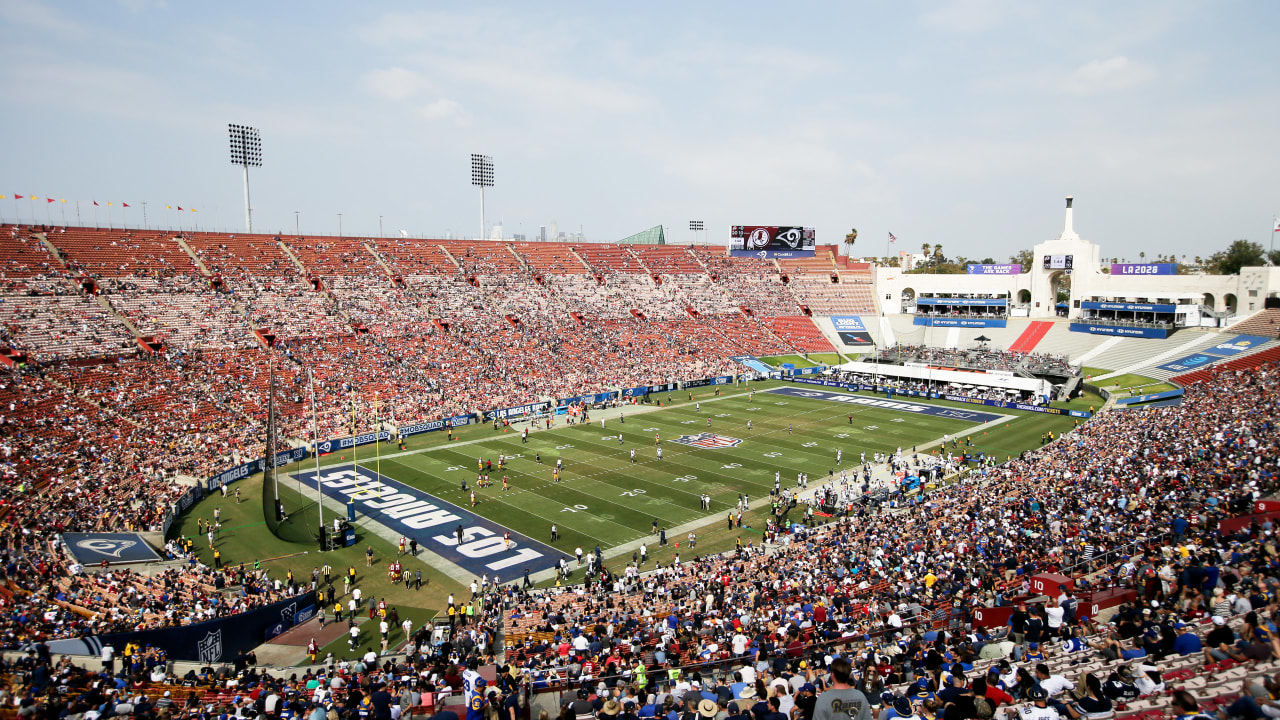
877,402
753,364
433,523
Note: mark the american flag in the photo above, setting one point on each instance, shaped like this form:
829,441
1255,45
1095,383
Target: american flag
892,237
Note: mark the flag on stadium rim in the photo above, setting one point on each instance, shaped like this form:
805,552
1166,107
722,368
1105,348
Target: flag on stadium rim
1277,227
892,237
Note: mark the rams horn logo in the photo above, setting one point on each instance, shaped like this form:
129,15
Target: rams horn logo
106,547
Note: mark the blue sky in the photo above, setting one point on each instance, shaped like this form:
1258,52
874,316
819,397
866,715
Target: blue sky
962,122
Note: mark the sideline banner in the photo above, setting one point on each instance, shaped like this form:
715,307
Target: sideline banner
244,470
328,446
855,387
518,411
722,380
433,425
1151,396
207,642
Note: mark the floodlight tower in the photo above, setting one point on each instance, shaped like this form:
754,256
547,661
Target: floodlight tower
246,151
481,177
697,226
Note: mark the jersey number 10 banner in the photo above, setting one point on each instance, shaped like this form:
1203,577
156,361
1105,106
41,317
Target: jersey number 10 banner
773,238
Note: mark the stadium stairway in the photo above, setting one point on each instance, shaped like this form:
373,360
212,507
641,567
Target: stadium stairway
105,304
1089,355
1031,337
1143,355
1264,322
302,269
54,252
195,258
1061,341
382,262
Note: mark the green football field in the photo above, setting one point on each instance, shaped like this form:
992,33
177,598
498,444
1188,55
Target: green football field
606,498
603,498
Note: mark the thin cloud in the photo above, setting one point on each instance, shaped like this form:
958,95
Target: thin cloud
394,83
1116,73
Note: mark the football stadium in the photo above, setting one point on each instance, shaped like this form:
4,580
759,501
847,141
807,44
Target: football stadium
747,472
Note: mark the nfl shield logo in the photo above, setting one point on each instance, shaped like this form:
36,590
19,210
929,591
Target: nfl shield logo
708,440
210,648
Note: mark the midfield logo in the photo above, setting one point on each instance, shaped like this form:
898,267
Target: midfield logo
708,440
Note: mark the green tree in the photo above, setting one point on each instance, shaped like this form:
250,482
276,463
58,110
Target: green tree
1273,257
1241,253
849,240
1023,258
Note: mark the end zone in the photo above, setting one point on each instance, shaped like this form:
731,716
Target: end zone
911,408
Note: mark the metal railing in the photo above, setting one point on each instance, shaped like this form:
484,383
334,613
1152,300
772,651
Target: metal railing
1107,558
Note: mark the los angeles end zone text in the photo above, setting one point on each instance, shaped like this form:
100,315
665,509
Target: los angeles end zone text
908,407
433,523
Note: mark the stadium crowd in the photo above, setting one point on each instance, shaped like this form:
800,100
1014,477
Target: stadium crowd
979,357
1150,485
1132,498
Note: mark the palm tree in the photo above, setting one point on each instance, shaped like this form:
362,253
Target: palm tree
1142,255
850,239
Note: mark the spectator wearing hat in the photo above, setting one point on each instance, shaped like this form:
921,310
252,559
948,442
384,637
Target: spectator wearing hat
1186,642
1218,644
805,702
1039,709
903,709
1119,686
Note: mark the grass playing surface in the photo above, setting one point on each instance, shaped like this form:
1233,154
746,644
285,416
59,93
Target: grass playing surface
603,497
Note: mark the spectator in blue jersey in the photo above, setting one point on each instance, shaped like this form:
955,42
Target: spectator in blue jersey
476,701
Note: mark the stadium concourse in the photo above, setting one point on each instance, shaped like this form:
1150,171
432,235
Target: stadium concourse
139,357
